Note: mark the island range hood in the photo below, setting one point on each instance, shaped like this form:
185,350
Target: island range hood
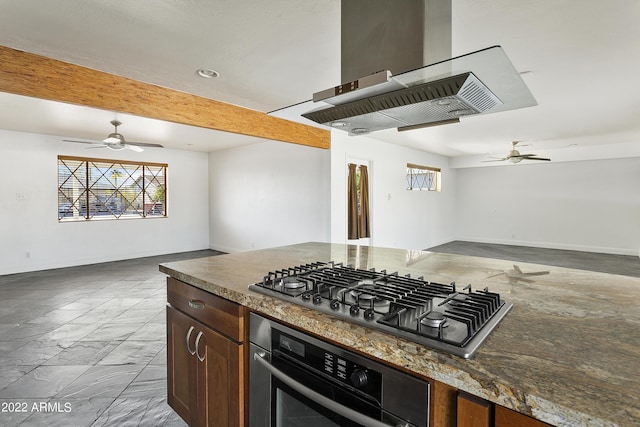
384,48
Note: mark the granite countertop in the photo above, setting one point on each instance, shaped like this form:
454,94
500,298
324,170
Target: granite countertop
568,353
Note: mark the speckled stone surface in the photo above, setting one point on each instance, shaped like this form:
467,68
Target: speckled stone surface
568,353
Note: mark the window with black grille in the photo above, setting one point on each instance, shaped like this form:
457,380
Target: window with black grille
423,178
92,189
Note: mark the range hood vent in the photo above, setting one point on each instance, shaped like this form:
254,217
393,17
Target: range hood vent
443,100
399,38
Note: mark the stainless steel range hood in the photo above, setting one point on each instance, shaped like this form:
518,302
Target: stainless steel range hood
384,46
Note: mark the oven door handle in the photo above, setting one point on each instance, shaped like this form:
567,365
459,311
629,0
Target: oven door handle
317,397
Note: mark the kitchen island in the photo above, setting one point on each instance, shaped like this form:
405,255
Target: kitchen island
568,353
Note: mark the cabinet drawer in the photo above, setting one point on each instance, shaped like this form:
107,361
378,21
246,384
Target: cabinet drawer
217,313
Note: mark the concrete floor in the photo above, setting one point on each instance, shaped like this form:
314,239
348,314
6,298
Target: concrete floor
86,346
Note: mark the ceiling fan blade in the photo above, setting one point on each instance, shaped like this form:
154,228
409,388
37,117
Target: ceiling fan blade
496,160
530,157
133,147
538,158
84,142
144,144
533,157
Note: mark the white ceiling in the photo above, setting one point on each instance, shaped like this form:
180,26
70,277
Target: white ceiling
583,55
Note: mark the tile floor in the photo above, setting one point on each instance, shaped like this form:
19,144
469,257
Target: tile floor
86,346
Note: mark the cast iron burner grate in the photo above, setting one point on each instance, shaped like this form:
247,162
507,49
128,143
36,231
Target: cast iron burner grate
433,314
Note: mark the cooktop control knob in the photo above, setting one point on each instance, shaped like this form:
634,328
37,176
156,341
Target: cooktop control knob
369,313
359,378
306,296
334,304
317,298
354,309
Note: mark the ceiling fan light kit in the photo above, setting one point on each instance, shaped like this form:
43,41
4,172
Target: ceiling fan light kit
115,141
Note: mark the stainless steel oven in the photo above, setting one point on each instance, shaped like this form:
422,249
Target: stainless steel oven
298,380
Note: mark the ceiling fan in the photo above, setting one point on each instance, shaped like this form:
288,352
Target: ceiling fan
514,156
116,141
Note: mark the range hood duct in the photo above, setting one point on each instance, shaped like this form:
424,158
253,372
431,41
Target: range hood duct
392,35
385,45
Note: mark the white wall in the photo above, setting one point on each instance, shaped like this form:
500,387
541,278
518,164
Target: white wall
30,225
268,194
399,218
588,205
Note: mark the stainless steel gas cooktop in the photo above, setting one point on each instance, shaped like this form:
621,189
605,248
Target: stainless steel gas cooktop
439,316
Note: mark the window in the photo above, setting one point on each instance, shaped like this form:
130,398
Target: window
90,189
423,178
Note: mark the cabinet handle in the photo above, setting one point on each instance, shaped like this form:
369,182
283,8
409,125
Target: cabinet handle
197,304
197,342
191,352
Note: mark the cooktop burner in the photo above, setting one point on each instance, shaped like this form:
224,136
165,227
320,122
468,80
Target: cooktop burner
433,314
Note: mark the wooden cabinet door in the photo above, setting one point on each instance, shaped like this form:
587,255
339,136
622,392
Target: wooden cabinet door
220,380
473,411
508,418
205,374
181,364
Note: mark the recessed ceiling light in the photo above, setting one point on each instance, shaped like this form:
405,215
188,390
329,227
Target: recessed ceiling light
207,73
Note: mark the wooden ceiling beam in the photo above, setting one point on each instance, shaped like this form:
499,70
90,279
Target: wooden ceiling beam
27,74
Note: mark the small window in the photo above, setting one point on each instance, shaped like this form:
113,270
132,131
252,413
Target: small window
423,178
90,189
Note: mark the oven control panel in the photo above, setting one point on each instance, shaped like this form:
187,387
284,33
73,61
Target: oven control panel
336,366
344,370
